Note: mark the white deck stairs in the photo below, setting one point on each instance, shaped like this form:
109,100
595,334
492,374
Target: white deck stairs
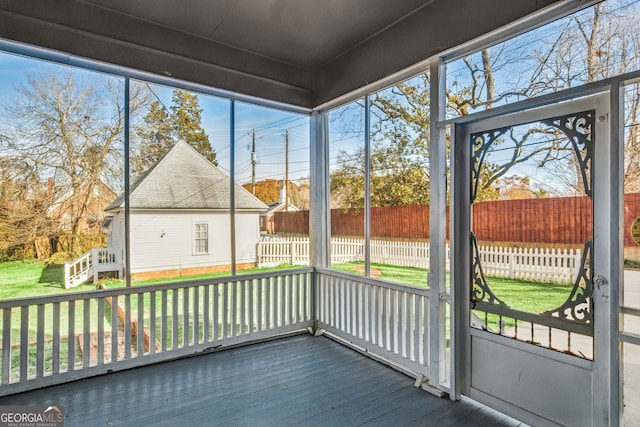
88,266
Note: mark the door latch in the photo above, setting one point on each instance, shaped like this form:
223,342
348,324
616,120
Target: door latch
600,281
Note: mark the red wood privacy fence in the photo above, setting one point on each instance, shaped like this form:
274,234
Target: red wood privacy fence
564,220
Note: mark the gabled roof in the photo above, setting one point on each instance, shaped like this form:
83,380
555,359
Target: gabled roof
184,179
280,206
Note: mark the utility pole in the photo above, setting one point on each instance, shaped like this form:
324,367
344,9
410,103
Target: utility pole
253,163
286,172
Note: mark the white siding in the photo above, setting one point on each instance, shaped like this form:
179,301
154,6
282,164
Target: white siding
247,236
164,240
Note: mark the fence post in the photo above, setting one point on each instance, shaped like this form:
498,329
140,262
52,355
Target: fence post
259,253
292,252
512,262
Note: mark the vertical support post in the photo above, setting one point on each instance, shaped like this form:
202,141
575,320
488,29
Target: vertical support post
232,183
617,141
437,227
608,239
320,212
367,186
127,196
286,172
460,272
320,207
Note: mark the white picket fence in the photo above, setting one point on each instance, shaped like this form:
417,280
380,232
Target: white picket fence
548,265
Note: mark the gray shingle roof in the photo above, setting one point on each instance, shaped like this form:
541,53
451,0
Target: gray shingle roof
184,179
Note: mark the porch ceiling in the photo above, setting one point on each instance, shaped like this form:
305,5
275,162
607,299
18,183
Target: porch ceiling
301,52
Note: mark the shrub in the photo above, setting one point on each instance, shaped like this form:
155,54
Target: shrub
631,263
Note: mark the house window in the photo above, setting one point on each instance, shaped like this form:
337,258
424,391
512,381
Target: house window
200,239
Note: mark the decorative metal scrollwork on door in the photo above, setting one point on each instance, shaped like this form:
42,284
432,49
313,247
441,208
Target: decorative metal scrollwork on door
576,313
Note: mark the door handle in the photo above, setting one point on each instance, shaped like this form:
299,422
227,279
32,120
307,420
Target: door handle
600,281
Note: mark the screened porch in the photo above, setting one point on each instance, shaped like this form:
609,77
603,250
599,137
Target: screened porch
456,227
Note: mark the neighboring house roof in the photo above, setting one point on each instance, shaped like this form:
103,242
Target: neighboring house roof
280,206
184,179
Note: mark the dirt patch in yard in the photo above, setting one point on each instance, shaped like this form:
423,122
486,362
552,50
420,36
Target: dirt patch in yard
375,272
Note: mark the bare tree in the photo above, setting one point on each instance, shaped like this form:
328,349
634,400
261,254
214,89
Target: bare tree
68,130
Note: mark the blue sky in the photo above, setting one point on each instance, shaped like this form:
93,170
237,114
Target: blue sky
270,125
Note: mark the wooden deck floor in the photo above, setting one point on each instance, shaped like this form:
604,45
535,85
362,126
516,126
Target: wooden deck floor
299,381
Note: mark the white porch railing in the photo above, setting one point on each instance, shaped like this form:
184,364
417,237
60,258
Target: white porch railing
385,319
534,264
59,338
89,265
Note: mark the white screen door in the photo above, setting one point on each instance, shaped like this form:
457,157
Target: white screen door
532,236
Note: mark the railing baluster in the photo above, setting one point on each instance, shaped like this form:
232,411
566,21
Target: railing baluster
55,350
260,296
301,306
185,318
196,315
348,307
140,325
6,346
100,331
234,309
165,316
337,303
251,304
291,299
216,311
174,319
358,309
243,306
417,322
206,321
24,342
225,310
71,338
152,322
267,303
127,327
115,326
281,300
384,311
426,331
40,342
398,305
86,333
408,312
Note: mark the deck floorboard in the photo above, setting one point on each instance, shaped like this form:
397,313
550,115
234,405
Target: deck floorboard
297,381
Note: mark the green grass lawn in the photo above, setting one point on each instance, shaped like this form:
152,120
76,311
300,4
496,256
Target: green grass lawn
405,275
30,279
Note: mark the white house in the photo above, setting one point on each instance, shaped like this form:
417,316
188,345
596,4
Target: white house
180,219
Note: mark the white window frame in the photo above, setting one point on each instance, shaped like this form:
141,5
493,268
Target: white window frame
197,238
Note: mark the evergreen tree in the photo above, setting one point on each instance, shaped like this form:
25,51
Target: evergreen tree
164,127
